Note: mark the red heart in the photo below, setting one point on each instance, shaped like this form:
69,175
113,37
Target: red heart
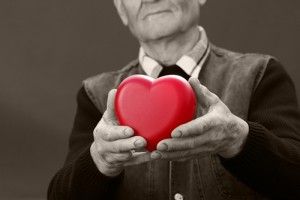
154,107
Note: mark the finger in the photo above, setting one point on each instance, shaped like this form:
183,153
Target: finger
179,155
112,133
138,159
109,114
138,150
179,144
209,139
203,94
116,158
195,127
124,145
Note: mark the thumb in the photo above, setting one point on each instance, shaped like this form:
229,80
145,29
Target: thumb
204,96
110,106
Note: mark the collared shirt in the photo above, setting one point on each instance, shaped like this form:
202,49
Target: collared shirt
191,62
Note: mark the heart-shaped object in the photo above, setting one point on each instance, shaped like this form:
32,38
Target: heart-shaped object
154,107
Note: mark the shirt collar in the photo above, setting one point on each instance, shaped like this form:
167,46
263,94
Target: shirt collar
191,62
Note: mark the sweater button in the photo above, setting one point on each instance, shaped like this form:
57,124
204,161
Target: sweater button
178,196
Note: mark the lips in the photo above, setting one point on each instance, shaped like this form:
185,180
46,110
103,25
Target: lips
156,13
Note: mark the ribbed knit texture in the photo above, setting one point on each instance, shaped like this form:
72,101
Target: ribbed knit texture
269,161
80,178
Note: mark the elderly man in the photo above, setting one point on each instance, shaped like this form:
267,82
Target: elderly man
243,144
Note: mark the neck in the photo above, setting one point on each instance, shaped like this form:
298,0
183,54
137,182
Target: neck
169,50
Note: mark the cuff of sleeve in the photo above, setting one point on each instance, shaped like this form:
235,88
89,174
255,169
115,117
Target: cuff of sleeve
254,156
89,180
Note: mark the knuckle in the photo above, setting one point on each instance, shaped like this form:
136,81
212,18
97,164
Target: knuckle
183,130
109,132
204,126
108,159
231,124
115,148
126,156
125,146
99,148
105,133
122,131
106,136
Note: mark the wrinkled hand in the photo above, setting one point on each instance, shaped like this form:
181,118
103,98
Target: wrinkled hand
216,131
113,144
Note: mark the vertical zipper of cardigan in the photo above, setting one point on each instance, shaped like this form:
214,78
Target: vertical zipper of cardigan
170,180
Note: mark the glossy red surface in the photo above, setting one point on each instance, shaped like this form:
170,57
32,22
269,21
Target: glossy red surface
154,107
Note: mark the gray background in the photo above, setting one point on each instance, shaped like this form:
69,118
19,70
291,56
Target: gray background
48,47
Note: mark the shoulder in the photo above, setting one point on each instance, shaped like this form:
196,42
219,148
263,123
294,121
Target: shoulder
275,68
98,86
236,57
276,76
244,64
85,107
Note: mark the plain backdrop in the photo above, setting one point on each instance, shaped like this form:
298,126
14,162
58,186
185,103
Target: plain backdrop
48,47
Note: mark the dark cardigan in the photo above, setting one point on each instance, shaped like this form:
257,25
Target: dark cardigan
274,101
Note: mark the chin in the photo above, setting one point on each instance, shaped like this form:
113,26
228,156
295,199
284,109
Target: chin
159,31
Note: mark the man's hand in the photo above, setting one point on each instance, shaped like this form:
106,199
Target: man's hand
113,144
216,131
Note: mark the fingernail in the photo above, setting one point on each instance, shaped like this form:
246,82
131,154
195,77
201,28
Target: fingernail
128,132
177,134
162,147
155,155
139,143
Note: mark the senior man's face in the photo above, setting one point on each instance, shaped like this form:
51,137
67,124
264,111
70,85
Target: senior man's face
155,19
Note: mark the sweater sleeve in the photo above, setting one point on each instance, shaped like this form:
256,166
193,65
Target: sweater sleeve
270,159
79,178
